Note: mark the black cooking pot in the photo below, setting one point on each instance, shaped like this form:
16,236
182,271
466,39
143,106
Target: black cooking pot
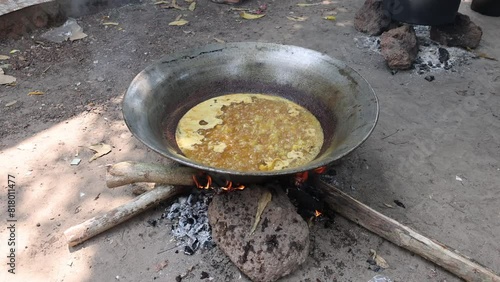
423,12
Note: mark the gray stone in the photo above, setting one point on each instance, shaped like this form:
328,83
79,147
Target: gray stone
462,33
280,242
371,18
399,47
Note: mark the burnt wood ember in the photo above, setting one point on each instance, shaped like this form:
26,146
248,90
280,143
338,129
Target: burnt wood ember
190,221
279,244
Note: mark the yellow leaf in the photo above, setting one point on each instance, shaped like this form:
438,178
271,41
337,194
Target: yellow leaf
14,51
219,40
296,18
161,2
265,198
3,57
110,23
37,92
248,16
189,1
179,22
178,17
330,18
100,150
192,6
380,261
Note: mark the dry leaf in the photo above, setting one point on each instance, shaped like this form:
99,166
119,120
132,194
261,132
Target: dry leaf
7,79
176,6
14,51
389,206
12,103
314,4
263,201
192,6
3,57
161,2
330,18
100,150
219,40
307,4
110,23
238,9
189,1
485,56
380,261
296,18
179,22
36,92
248,16
161,265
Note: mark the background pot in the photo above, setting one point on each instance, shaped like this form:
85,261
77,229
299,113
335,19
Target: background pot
486,7
422,12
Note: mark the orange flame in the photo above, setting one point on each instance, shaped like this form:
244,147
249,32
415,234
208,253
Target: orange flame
229,186
301,177
320,170
198,185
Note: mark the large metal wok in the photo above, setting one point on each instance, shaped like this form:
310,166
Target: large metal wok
340,98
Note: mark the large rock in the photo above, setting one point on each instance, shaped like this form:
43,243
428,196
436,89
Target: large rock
462,33
371,18
399,47
280,242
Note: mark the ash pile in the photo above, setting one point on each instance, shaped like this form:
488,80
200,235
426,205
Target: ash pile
189,218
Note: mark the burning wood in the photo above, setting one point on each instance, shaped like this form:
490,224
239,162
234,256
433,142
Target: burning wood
301,177
228,186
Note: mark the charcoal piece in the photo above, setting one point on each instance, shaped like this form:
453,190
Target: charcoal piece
399,204
444,55
204,275
188,251
190,221
153,222
429,78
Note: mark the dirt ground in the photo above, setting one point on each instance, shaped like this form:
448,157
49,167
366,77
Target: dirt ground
436,148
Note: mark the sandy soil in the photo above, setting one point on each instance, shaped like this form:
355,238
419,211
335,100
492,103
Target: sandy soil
436,148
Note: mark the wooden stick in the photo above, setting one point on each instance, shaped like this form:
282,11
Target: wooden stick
131,172
404,236
96,225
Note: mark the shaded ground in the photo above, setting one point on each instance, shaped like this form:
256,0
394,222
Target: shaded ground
429,135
